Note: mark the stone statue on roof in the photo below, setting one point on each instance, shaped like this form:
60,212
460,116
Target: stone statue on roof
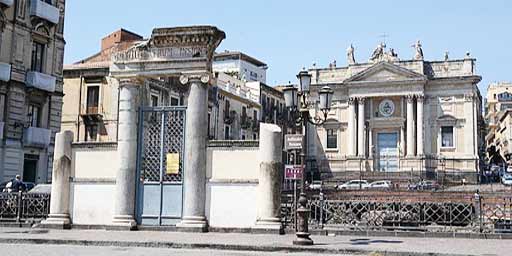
419,51
350,55
378,53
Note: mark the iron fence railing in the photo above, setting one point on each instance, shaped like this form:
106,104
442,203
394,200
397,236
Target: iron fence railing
476,215
21,207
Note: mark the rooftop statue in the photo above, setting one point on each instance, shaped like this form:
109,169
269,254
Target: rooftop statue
378,53
419,51
350,55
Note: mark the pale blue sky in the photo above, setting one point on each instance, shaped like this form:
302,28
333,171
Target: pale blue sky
288,35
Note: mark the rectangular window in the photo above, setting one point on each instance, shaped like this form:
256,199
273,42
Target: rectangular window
332,139
447,137
154,100
175,101
93,98
226,133
38,57
34,112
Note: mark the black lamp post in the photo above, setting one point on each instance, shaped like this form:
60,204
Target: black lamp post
296,100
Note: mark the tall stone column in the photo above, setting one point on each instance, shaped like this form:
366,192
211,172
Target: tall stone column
410,128
269,180
419,124
194,177
360,128
59,203
127,154
402,141
351,127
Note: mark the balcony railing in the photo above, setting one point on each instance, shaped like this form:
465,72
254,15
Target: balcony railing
36,137
7,3
5,72
44,11
41,81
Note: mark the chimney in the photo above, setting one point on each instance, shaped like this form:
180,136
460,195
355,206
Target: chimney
119,36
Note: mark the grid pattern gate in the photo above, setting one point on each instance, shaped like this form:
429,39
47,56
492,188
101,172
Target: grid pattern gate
163,134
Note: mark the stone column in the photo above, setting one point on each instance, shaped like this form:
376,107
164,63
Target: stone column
269,180
371,148
351,127
194,178
402,141
410,123
419,124
127,154
360,128
59,202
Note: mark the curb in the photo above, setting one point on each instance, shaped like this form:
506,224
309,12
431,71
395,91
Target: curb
227,247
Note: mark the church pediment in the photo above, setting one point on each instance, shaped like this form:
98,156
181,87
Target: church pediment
384,71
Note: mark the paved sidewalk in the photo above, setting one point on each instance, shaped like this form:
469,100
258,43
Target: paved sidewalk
251,242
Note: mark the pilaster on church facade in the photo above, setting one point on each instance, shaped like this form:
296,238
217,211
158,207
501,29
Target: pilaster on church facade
400,115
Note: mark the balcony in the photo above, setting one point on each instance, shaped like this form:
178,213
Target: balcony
44,11
5,71
37,137
2,130
7,3
41,81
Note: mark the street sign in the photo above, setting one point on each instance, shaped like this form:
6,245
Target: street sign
293,141
293,172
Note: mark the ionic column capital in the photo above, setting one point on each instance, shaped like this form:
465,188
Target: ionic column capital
409,98
203,78
469,97
420,97
360,100
124,82
351,100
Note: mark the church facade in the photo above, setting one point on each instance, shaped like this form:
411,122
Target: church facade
395,116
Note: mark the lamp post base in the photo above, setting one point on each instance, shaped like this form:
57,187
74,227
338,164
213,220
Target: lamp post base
302,239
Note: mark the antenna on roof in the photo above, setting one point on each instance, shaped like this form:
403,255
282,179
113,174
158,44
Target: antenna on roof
384,37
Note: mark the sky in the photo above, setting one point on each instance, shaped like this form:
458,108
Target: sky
289,35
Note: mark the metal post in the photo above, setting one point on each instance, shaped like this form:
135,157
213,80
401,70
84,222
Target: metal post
321,197
302,212
19,204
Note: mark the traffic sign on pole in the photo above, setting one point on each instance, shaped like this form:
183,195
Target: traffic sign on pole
293,172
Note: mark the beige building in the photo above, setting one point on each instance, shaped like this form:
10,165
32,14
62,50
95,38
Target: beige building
393,115
31,57
235,106
497,114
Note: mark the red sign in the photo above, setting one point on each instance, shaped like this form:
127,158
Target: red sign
293,172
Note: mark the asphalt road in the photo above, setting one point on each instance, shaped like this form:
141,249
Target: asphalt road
63,250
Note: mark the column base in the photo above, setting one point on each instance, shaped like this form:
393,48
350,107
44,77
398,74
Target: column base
123,222
57,221
193,224
302,239
268,226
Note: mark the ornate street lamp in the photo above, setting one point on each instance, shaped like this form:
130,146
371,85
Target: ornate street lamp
296,100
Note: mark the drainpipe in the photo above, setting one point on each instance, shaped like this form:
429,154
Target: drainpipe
79,107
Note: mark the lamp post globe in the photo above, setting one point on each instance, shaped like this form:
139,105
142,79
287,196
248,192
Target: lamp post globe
290,96
305,81
325,94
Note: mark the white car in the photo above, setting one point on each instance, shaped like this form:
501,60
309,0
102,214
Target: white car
354,184
381,184
506,179
315,185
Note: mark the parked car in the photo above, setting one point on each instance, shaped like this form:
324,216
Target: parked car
424,185
315,185
381,184
354,184
506,179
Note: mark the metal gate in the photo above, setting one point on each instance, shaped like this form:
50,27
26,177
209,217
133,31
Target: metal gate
160,165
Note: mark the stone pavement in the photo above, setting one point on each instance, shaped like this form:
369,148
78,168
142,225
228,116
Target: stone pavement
262,243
